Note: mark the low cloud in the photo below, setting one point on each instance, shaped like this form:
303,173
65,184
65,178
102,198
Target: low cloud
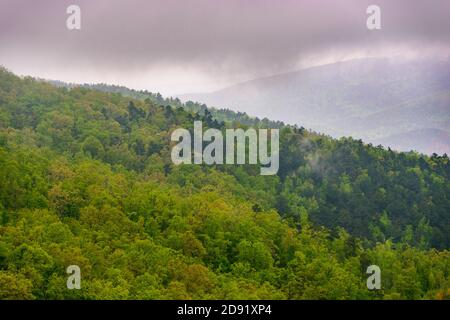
190,45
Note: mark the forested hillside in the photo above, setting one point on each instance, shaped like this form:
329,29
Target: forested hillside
86,178
384,184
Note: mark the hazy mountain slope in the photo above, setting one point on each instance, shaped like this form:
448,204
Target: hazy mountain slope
371,99
429,140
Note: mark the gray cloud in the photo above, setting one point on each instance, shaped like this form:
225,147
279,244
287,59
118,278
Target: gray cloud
192,44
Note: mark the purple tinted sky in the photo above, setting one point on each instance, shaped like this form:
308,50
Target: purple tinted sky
199,45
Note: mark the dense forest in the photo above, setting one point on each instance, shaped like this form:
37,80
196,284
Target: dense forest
86,179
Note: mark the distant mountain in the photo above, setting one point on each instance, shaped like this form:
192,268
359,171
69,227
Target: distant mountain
404,105
428,140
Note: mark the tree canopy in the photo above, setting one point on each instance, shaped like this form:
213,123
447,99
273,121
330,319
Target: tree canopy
86,179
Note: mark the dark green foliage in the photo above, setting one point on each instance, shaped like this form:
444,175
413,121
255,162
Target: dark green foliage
86,179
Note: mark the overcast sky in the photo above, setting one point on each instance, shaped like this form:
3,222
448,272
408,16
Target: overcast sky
201,45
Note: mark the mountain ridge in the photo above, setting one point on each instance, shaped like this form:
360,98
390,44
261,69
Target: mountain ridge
335,98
